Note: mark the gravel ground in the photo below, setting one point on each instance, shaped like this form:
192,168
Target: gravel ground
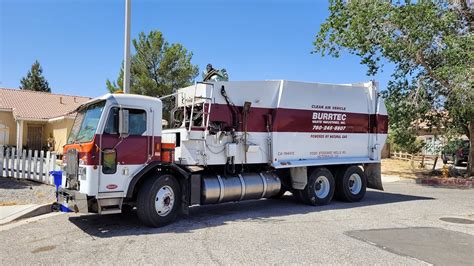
16,192
255,232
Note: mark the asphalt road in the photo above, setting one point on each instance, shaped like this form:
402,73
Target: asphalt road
399,226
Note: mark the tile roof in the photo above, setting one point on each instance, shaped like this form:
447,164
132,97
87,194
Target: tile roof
27,104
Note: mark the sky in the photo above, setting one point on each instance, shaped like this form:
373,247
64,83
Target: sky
79,43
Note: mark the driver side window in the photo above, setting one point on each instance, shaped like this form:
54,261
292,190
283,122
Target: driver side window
136,118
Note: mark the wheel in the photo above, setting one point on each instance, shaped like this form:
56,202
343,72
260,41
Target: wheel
320,187
159,201
351,184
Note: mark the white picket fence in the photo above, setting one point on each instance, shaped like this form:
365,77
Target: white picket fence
28,164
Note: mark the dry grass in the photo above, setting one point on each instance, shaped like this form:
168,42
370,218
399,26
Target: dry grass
403,169
8,203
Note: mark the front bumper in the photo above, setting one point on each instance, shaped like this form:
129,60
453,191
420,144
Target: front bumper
73,200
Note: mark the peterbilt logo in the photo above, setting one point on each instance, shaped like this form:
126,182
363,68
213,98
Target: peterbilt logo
111,186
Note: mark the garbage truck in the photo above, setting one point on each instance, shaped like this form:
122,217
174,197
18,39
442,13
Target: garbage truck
223,141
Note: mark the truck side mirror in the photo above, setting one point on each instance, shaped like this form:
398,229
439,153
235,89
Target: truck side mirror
123,123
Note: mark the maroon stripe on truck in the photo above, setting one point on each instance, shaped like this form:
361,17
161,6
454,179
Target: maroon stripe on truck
132,149
298,120
381,124
293,120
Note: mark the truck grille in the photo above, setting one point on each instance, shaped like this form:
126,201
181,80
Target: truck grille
72,168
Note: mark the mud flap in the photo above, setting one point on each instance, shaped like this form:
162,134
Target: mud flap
299,177
374,175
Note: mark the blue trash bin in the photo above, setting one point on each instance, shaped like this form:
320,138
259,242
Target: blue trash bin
58,179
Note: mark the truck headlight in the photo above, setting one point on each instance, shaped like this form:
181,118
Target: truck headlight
82,171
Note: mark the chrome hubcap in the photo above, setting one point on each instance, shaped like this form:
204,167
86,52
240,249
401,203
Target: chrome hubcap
164,201
355,184
322,187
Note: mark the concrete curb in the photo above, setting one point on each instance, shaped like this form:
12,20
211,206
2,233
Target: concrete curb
447,182
390,178
30,211
21,222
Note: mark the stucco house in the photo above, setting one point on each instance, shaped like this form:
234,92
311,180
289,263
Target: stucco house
36,120
433,137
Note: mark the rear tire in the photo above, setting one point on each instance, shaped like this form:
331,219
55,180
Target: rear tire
159,201
320,188
351,184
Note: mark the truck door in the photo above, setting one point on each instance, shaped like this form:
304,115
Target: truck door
123,156
372,99
380,126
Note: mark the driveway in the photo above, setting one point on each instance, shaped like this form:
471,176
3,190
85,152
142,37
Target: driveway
399,226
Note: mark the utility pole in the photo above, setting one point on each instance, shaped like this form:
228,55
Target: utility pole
126,59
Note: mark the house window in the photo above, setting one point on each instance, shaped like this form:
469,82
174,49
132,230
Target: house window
4,134
136,118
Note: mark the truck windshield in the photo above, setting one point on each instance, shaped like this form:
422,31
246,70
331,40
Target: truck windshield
85,124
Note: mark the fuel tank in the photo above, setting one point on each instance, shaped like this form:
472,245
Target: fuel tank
245,186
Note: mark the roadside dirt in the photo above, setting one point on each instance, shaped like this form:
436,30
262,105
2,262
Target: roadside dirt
409,170
17,192
403,169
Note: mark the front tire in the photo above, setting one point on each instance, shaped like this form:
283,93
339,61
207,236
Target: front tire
159,201
320,188
351,184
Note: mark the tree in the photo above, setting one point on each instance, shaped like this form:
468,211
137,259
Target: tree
157,67
431,44
34,80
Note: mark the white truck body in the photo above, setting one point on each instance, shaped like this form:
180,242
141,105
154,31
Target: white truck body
313,124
